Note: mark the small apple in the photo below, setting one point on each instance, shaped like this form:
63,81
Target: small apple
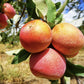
8,10
3,21
48,64
35,36
67,39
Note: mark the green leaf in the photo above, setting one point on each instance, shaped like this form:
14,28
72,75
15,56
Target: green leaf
61,9
31,6
54,81
51,14
74,70
58,4
21,56
41,8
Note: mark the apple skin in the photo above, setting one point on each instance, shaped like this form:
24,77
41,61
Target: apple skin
35,36
3,21
47,64
8,10
67,39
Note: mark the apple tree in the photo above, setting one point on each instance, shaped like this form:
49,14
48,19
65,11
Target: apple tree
10,33
50,13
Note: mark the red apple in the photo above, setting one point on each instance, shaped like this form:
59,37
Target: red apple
9,10
67,39
48,64
35,36
3,21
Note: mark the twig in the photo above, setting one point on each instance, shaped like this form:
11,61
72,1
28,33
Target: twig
79,14
61,8
17,24
78,82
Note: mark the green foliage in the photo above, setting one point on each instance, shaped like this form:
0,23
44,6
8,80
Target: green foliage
18,5
31,8
41,8
4,37
82,28
46,10
7,36
1,4
60,10
11,39
74,70
21,56
8,1
51,13
58,4
36,9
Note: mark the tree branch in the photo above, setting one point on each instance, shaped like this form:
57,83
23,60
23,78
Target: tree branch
17,24
61,9
78,82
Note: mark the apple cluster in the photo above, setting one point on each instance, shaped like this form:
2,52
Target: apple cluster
36,37
8,12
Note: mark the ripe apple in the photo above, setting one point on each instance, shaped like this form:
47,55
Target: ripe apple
35,36
48,64
9,10
3,21
67,39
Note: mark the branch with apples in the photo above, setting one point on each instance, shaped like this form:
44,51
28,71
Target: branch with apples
47,40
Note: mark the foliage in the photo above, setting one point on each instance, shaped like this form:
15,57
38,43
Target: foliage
38,9
11,33
74,70
82,27
4,37
11,39
34,10
21,56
